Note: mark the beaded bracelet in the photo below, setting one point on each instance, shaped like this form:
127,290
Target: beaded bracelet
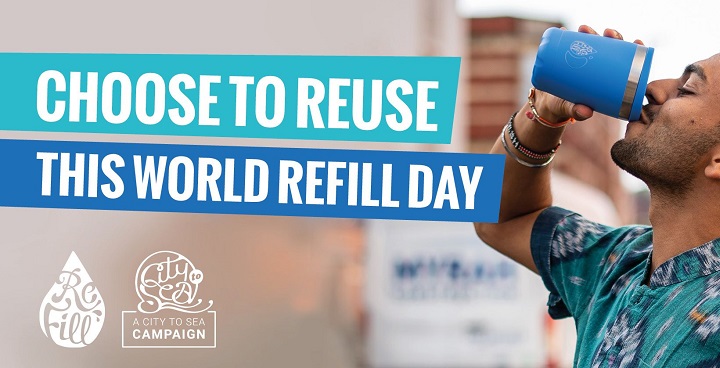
533,114
512,154
524,150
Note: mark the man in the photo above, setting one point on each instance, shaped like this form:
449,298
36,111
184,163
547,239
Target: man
640,296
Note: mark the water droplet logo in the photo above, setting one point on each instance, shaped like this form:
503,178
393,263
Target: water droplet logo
73,312
579,54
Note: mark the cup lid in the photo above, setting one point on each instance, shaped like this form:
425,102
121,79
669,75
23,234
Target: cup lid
637,84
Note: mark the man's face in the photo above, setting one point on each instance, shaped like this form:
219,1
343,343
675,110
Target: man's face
668,146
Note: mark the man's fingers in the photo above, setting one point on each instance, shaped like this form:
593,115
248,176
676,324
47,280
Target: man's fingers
586,29
612,34
609,32
581,112
577,111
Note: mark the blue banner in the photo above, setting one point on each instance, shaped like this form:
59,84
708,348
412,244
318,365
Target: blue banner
251,180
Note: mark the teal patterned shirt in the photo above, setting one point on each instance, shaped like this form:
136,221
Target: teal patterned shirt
595,274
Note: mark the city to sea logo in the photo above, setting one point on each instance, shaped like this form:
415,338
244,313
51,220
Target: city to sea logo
579,54
169,314
73,312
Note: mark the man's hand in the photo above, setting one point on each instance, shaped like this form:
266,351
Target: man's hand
556,109
526,190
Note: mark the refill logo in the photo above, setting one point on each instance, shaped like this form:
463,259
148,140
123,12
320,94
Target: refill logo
72,313
579,54
170,314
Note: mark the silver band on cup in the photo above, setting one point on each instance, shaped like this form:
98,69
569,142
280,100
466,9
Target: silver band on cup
632,84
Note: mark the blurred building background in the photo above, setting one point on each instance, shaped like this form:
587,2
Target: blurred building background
308,292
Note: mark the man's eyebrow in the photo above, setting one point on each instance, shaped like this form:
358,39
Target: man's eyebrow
697,69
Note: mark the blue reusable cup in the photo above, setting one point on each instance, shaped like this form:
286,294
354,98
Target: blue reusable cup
606,74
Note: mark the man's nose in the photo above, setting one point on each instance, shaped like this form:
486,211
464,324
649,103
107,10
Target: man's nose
659,91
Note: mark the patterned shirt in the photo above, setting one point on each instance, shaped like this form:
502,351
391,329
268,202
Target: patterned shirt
595,274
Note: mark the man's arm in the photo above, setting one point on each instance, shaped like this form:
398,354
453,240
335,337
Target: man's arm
526,190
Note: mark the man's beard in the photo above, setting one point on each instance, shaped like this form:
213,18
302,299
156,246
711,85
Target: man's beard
635,157
669,162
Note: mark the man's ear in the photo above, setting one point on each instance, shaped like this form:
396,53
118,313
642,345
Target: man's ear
712,170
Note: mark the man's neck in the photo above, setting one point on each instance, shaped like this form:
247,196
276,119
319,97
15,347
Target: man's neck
681,223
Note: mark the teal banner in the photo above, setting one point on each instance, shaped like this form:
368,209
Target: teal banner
351,98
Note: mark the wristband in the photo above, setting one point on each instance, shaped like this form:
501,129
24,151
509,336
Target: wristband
533,114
